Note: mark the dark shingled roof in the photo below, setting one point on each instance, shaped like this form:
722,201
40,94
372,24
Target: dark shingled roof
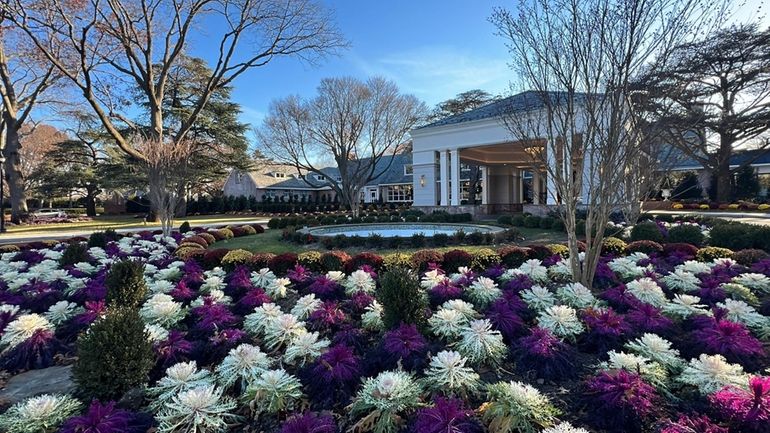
525,101
756,157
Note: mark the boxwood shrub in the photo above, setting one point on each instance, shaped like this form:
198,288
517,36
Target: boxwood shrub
646,231
532,221
687,234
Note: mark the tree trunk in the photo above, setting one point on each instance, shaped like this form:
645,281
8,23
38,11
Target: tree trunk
724,177
90,200
13,173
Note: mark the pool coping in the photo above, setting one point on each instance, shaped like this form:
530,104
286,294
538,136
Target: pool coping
309,230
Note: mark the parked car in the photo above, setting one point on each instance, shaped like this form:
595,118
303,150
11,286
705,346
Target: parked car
49,213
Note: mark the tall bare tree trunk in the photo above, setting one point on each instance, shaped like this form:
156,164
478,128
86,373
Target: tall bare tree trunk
724,178
12,171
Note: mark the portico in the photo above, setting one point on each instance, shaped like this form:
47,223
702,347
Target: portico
510,177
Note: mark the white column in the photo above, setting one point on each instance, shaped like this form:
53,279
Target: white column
516,196
484,185
455,177
535,186
444,177
550,186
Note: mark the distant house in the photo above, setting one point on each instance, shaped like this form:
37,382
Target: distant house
279,182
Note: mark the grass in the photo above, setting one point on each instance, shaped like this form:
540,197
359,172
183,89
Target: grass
271,242
120,222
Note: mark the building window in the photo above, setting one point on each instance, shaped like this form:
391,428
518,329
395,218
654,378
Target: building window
238,177
279,175
408,170
320,177
399,193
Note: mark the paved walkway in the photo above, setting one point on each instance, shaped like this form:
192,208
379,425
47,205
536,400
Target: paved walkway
744,217
10,238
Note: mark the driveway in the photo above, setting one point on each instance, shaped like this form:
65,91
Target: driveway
10,238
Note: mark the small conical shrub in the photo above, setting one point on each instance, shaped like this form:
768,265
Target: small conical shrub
75,252
184,227
114,356
402,298
125,284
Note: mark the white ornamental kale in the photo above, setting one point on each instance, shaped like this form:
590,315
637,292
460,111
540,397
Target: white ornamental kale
564,427
447,374
256,322
161,309
304,348
538,298
160,286
371,319
681,280
262,278
741,312
576,295
280,331
274,391
214,296
481,344
359,281
724,262
462,307
336,276
561,271
684,306
305,306
213,283
179,377
517,407
695,267
85,268
483,292
62,311
199,410
432,279
756,282
23,327
447,324
647,290
243,364
534,269
44,413
278,288
561,320
387,398
710,373
156,333
626,268
647,368
658,349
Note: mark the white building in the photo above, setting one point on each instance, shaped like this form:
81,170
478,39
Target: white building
511,181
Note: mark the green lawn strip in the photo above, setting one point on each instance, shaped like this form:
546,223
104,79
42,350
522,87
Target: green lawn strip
271,242
123,222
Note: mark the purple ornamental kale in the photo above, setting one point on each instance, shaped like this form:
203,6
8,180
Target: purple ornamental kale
730,339
446,416
494,272
309,422
444,291
545,354
693,423
100,418
358,302
761,267
238,280
619,298
404,341
173,349
251,300
35,352
646,318
505,319
518,283
327,316
212,316
298,274
606,328
749,409
620,400
325,288
182,292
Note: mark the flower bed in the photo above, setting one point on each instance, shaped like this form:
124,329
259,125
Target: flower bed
669,340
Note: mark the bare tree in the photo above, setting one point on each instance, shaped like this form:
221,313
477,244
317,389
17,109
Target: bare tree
109,48
579,58
355,123
167,165
24,79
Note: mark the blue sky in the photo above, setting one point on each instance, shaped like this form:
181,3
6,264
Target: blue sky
432,49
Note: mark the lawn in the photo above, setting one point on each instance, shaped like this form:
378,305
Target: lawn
118,222
271,242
